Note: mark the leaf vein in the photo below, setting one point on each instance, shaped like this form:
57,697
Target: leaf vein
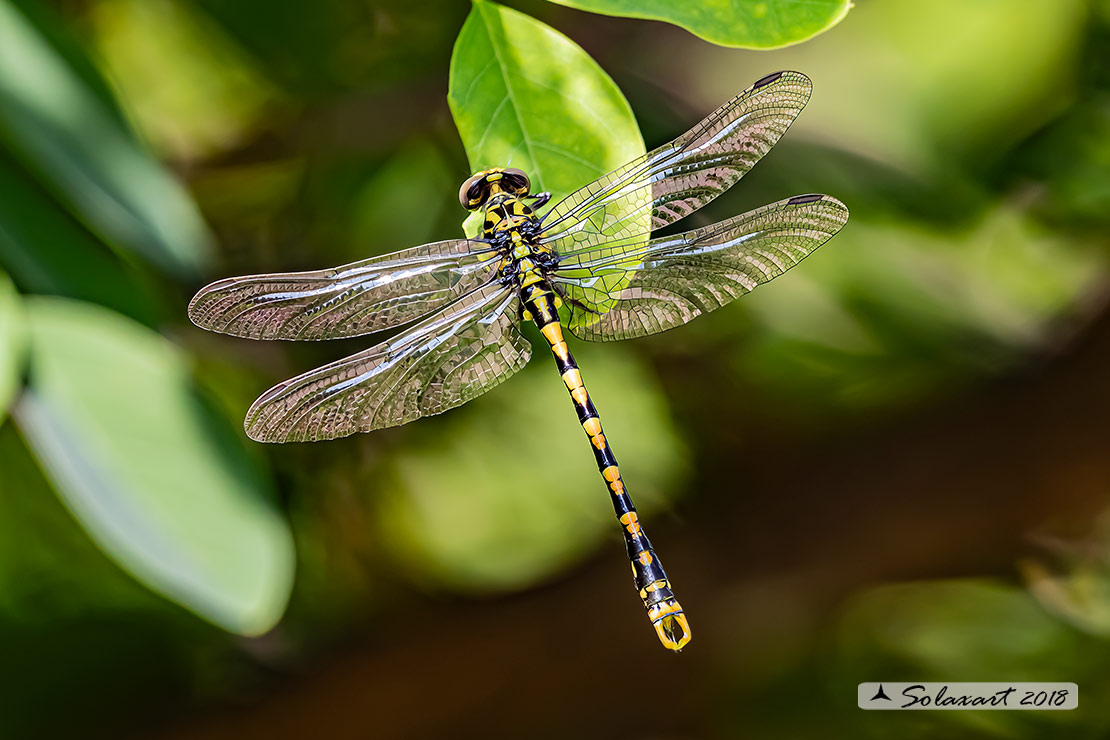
512,98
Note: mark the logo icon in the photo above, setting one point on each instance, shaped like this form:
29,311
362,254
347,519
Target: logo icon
880,694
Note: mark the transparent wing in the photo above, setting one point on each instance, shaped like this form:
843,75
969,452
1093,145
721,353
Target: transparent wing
635,288
459,353
674,180
348,301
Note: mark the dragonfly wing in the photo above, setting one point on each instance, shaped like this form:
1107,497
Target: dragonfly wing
676,179
453,356
348,301
636,288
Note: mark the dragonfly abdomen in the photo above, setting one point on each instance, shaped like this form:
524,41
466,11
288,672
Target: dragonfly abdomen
648,575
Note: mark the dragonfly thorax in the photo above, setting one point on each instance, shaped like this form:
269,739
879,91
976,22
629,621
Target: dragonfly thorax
507,217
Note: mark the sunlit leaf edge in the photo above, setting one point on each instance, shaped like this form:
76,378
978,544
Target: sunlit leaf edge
708,33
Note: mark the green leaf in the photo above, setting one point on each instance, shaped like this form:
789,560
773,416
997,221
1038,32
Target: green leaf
11,343
523,93
159,482
63,133
766,24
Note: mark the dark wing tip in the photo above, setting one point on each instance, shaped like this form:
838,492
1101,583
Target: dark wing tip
798,200
789,82
774,76
830,207
761,82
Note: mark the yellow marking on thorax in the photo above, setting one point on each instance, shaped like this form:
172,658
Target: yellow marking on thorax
531,276
504,215
545,306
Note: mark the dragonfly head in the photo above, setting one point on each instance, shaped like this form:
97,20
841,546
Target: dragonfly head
481,186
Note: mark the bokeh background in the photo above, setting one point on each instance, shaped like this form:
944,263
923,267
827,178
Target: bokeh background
891,464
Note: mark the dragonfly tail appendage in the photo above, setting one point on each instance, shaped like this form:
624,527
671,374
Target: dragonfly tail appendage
664,611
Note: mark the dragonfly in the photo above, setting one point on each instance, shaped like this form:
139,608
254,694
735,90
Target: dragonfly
588,264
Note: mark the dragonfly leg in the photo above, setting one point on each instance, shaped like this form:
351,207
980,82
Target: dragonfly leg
651,581
572,301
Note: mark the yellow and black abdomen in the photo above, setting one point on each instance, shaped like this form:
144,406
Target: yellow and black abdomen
649,577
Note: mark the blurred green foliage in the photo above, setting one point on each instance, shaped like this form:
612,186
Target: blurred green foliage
63,133
11,342
218,98
967,627
523,527
970,140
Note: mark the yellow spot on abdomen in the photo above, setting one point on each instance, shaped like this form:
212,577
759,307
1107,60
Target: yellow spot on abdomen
631,523
573,379
553,333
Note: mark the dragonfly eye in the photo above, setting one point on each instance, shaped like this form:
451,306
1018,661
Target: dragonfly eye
516,181
473,191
